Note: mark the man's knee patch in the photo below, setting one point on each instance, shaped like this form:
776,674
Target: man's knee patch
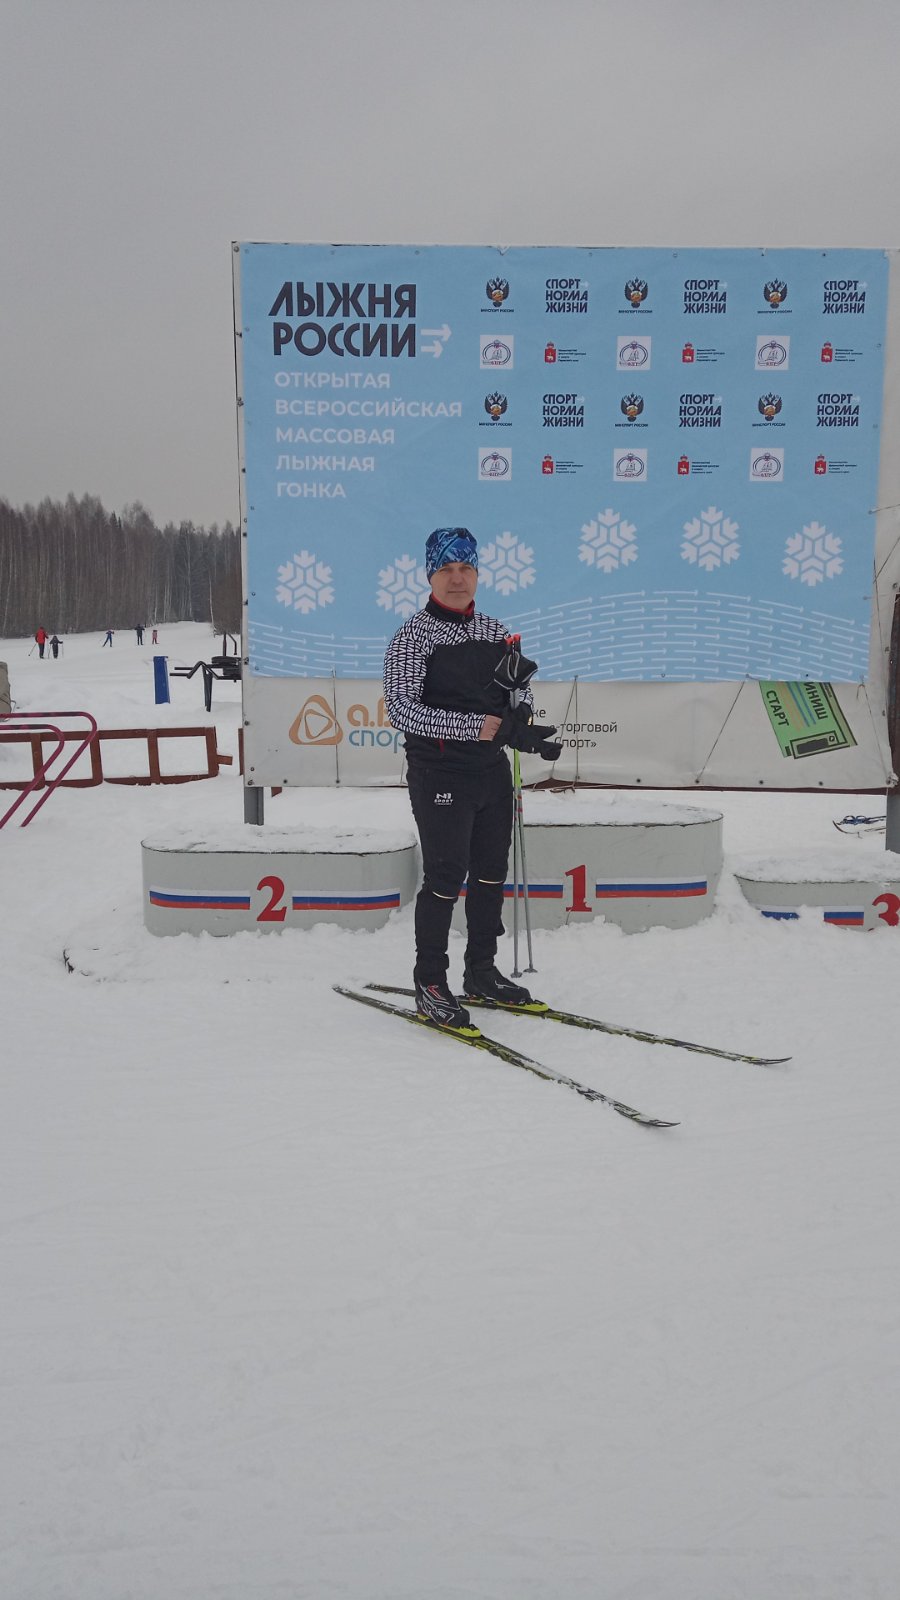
441,888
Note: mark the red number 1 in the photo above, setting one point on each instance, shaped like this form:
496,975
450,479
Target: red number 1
579,886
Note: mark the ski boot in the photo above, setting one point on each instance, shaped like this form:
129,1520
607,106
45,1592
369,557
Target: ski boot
437,1006
488,987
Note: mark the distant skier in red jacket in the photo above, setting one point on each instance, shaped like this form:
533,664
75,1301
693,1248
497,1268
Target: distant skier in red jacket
41,640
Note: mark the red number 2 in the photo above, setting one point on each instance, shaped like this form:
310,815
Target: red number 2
272,912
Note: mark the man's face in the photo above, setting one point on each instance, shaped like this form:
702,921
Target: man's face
454,585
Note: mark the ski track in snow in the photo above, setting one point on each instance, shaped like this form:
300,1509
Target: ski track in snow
298,1306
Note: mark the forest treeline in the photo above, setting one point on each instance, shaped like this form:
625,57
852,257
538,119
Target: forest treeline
73,567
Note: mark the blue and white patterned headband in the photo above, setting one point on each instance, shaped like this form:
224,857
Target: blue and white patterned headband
449,544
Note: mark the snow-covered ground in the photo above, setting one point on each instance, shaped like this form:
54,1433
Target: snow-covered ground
299,1304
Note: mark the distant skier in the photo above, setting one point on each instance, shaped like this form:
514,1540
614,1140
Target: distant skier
139,633
55,643
108,639
40,640
154,636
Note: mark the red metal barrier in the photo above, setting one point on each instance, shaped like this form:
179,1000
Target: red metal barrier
35,730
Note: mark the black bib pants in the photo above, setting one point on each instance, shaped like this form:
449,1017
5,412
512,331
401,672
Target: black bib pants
462,800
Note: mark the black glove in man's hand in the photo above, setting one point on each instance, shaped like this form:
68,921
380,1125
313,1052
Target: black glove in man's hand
548,749
532,738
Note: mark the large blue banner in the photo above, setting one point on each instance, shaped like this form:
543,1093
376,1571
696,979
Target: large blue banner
669,458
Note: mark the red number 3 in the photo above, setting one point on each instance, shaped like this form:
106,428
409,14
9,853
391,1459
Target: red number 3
891,913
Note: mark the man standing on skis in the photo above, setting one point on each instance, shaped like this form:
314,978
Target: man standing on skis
457,687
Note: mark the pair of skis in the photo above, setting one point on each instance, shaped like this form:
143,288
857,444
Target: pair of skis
515,1058
861,825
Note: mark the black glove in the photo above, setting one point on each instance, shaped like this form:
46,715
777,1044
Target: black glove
532,738
514,670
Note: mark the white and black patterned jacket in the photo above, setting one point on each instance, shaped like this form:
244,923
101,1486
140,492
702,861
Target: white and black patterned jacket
440,698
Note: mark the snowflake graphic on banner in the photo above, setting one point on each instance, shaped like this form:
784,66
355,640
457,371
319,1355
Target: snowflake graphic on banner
813,555
506,564
403,586
711,539
608,542
304,583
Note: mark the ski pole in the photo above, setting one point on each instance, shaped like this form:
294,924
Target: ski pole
511,644
516,697
515,885
520,828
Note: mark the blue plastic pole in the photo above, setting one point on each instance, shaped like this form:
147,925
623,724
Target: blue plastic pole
161,680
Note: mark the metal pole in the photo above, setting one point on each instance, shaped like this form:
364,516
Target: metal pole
520,826
892,810
892,823
515,699
515,887
254,804
337,759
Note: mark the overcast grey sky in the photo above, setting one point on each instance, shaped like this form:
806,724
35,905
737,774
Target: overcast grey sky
138,139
